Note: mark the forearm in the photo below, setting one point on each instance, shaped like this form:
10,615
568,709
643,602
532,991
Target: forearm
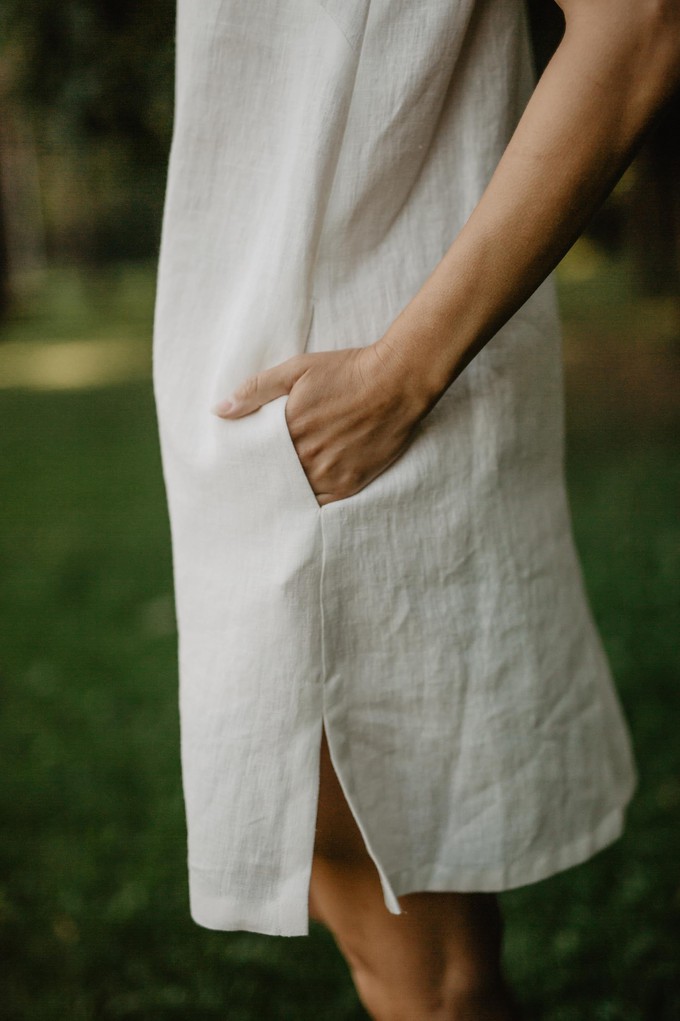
613,69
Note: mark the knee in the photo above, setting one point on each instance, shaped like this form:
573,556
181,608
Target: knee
461,995
477,995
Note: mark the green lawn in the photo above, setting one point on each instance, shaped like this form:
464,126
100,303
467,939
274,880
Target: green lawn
94,920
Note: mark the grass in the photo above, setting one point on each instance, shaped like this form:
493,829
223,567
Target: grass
94,919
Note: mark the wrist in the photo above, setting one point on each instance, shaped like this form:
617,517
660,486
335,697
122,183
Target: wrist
418,356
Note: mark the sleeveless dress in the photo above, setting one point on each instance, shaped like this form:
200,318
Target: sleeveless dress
324,155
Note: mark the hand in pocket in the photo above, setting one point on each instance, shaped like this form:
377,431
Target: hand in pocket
349,415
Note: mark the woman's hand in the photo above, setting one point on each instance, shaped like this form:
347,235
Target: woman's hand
349,414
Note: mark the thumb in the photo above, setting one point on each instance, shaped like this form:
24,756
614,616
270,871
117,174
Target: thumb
262,387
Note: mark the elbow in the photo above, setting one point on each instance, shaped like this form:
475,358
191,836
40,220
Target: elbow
665,17
657,41
643,36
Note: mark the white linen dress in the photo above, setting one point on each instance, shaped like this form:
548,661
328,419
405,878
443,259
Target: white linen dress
324,156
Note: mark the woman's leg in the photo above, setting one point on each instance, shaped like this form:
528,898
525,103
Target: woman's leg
440,961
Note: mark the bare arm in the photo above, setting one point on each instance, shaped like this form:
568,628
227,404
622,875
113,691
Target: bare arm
616,64
353,411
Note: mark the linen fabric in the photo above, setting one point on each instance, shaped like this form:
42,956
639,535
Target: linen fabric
324,156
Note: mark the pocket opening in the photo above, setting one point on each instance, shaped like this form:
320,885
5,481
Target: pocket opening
299,470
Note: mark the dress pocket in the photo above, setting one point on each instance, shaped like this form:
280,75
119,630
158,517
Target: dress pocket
293,464
385,485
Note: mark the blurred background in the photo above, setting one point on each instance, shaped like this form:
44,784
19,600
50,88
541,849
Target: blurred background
94,920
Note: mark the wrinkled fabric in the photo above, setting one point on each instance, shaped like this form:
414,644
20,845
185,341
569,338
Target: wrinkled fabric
324,156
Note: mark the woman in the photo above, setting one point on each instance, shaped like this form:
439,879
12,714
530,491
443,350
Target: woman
394,701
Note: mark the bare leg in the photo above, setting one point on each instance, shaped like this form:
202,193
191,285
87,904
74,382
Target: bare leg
439,961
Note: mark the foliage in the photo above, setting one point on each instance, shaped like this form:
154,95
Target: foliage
87,88
102,69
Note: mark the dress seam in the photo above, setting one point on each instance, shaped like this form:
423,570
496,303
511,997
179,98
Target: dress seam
337,24
321,609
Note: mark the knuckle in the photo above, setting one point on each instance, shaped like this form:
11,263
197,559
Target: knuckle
353,480
311,449
248,388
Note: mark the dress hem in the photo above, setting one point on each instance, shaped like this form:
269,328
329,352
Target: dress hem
228,914
442,878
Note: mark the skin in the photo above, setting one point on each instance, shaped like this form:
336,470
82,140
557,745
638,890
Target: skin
352,412
440,959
